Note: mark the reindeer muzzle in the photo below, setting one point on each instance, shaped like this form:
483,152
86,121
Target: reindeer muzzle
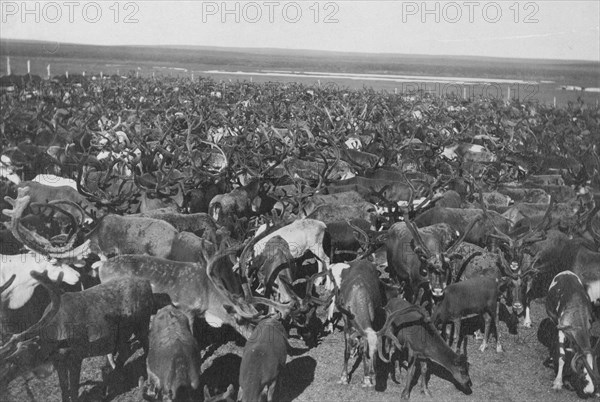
517,308
437,291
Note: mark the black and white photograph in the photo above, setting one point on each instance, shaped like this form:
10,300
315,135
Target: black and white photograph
309,200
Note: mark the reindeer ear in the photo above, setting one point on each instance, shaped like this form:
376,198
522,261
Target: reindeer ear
503,282
255,205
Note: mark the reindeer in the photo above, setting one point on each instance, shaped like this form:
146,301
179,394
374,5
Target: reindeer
96,321
263,360
569,308
408,327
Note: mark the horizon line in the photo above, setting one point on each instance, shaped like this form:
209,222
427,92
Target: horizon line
299,50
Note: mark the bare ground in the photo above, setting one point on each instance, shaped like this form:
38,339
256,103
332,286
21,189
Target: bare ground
311,375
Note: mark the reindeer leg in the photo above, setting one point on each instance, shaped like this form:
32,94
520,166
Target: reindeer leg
558,382
448,333
589,388
62,366
369,351
142,335
527,320
344,379
111,360
497,323
488,320
271,391
367,367
142,388
412,360
122,354
526,302
424,388
152,388
459,341
397,367
74,374
457,334
330,312
419,296
322,261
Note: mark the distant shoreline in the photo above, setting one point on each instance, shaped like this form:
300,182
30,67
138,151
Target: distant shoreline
545,81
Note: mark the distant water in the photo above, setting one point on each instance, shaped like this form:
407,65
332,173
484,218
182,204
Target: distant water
374,77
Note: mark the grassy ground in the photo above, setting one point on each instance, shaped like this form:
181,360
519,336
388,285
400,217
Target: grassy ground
311,375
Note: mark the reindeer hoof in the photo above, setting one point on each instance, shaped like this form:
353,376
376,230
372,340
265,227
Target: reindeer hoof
557,386
499,349
330,328
482,347
405,396
527,324
343,380
149,393
426,392
478,335
368,382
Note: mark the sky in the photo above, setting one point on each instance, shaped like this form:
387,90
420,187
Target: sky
546,29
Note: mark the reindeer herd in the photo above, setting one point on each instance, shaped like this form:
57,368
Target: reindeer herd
118,244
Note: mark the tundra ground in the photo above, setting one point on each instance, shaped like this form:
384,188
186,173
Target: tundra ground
518,374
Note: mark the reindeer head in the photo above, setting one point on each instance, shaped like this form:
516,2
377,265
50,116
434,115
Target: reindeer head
515,255
460,372
435,267
38,243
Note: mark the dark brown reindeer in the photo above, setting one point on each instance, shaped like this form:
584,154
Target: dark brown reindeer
94,322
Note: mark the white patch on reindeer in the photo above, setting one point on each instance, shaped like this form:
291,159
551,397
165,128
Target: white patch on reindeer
19,295
416,202
593,290
122,137
213,320
353,143
8,174
7,170
103,154
527,320
21,290
450,152
477,148
589,388
379,210
554,281
55,181
347,175
371,341
336,270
